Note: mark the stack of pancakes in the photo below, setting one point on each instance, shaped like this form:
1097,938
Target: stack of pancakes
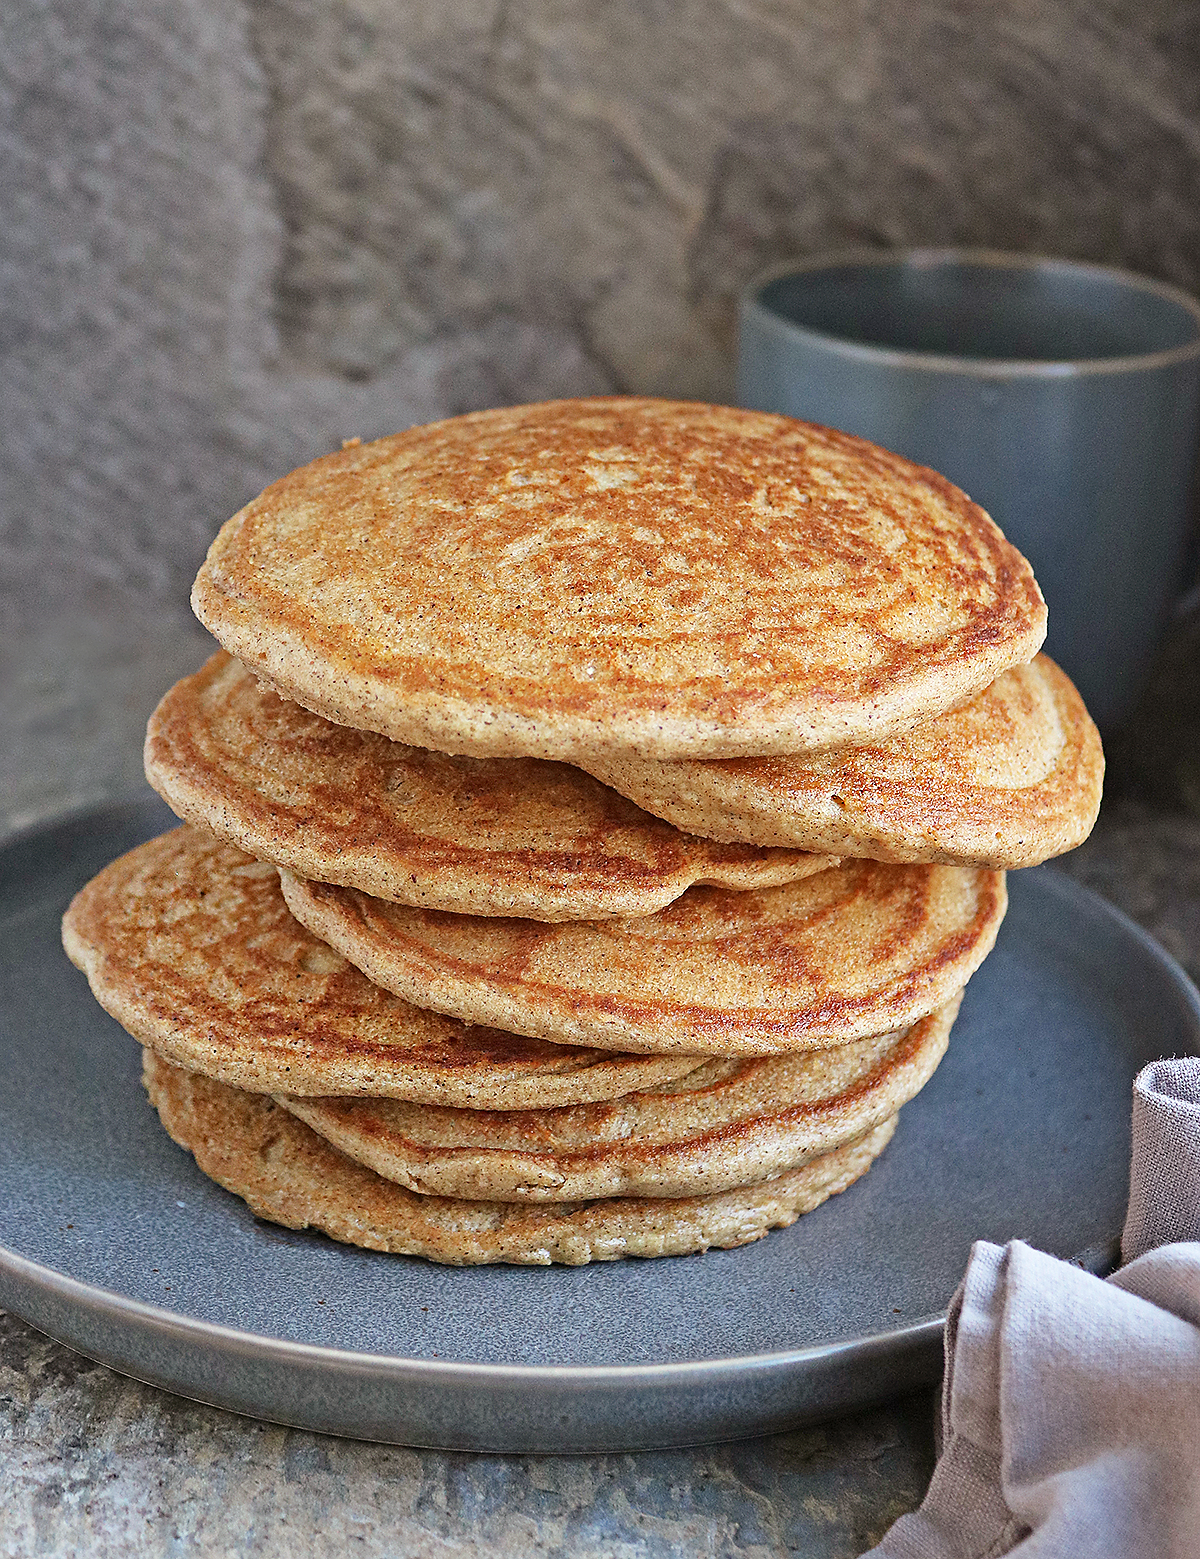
593,818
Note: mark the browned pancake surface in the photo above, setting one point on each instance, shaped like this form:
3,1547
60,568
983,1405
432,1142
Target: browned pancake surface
620,575
188,944
1010,779
483,836
288,1174
730,1123
854,951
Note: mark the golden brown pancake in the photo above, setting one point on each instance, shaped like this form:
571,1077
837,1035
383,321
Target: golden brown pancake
290,1175
731,1123
620,575
188,944
858,950
1010,779
482,836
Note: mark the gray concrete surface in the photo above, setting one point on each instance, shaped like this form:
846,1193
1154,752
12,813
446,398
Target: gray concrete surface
97,1465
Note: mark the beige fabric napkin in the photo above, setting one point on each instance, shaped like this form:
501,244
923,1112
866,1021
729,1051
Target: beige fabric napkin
1071,1404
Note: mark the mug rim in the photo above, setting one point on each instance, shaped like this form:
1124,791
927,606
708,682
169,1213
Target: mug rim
990,367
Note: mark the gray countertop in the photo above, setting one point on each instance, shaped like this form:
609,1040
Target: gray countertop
91,1463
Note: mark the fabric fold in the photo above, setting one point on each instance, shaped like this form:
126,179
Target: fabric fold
1164,1179
1071,1404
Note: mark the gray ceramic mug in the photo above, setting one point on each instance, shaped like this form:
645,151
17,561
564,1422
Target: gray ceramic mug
1065,398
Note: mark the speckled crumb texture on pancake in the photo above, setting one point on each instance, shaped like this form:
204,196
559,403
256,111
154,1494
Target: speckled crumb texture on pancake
1010,779
731,1123
854,951
188,943
289,1175
481,836
620,575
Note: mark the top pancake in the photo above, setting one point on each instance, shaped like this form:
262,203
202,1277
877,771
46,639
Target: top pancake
1010,779
616,576
480,836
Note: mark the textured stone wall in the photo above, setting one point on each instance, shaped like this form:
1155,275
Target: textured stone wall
236,232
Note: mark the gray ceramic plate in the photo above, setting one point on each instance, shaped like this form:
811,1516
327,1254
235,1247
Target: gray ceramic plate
116,1244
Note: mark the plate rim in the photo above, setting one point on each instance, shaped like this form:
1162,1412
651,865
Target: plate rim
106,1302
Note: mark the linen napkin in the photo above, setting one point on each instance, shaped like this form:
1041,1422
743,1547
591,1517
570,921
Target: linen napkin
1071,1404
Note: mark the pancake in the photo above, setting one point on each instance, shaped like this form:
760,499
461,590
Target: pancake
289,1175
482,836
188,944
858,950
728,1124
620,575
1010,779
